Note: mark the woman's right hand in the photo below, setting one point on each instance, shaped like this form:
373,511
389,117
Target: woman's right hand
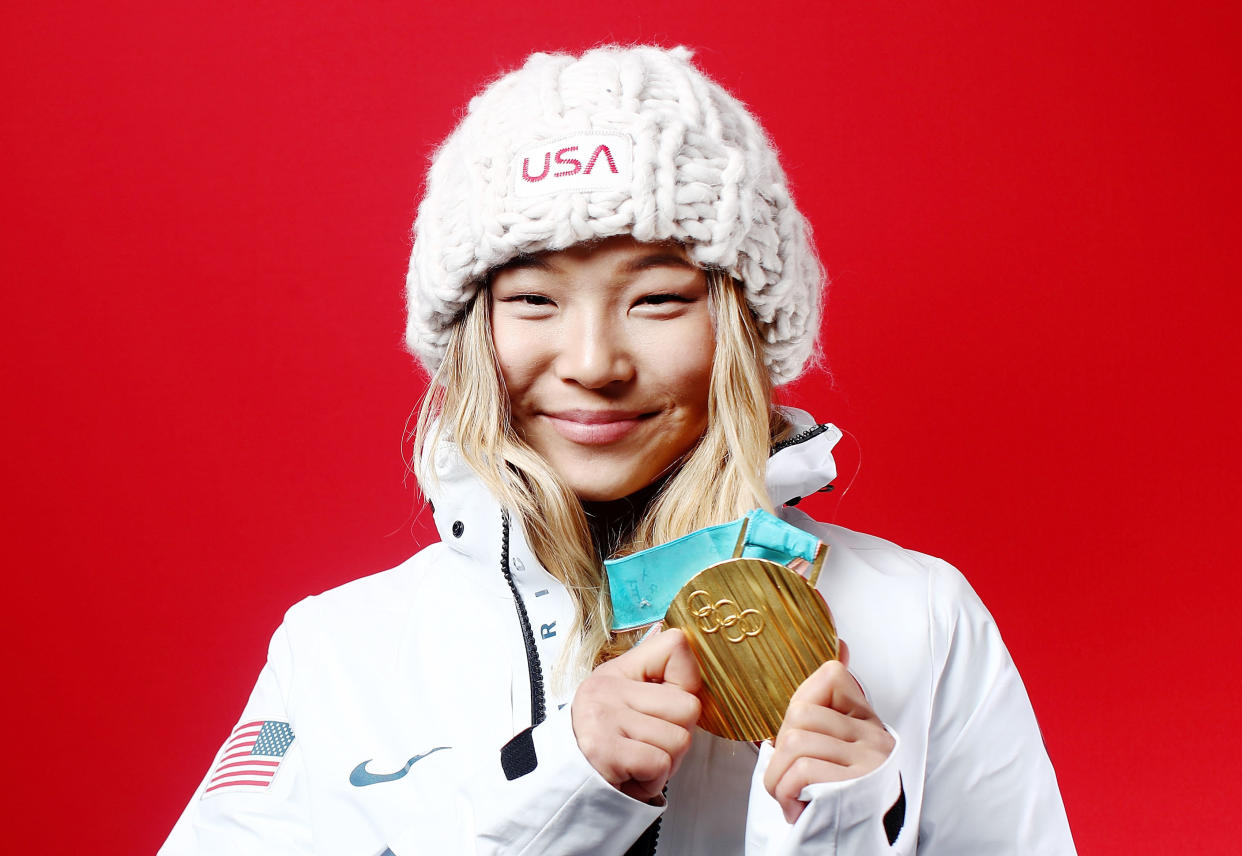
634,716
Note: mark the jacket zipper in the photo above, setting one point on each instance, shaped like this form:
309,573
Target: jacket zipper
801,437
538,708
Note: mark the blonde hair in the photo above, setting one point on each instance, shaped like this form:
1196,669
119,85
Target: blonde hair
466,403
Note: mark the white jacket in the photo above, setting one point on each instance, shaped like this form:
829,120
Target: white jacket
412,680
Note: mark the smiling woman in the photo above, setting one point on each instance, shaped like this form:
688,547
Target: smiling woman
583,338
604,334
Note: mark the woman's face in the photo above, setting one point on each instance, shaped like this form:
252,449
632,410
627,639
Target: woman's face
606,350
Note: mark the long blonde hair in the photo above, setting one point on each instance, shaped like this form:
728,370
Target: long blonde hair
466,403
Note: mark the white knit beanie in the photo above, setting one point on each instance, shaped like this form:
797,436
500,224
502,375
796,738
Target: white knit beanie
618,141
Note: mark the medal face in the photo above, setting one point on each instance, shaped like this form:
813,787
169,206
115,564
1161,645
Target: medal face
758,630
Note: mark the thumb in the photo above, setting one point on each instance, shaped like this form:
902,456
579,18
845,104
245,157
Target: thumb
664,658
843,654
682,667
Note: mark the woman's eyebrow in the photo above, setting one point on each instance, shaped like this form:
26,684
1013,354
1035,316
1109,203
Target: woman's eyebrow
641,263
533,262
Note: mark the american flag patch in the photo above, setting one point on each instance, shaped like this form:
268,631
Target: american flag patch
250,757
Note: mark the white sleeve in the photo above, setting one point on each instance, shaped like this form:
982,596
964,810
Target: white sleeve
556,804
857,816
253,800
989,786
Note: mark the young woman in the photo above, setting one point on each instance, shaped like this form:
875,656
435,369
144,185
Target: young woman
608,279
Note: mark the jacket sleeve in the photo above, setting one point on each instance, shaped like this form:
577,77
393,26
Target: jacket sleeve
989,785
556,804
254,798
860,816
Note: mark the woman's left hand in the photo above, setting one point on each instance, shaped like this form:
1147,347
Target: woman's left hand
830,734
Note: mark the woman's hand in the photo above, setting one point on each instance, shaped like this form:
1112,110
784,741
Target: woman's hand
829,734
633,716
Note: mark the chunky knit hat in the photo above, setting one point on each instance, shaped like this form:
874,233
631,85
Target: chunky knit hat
618,141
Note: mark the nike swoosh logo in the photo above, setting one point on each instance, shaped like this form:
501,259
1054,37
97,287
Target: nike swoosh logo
360,777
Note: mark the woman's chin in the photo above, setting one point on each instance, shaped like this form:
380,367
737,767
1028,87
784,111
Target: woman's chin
602,486
598,493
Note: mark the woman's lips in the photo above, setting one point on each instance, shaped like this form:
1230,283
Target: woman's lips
594,427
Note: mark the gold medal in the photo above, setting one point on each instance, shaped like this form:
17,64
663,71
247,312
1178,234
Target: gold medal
758,630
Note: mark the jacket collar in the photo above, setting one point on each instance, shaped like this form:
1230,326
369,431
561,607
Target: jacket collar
802,464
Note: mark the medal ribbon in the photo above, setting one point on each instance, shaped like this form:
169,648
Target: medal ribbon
643,585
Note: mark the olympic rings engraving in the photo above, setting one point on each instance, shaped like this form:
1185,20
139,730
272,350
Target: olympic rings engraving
748,622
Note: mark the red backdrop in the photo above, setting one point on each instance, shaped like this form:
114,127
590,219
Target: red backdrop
1030,213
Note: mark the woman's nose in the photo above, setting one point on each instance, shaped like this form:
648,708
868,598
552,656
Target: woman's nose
593,353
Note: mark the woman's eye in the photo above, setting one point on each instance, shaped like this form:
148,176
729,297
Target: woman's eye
663,299
529,300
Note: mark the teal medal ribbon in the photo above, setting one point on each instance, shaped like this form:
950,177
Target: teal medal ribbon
643,585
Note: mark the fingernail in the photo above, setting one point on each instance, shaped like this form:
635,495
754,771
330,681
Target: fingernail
655,628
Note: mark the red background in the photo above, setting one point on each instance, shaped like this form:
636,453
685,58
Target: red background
1030,213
